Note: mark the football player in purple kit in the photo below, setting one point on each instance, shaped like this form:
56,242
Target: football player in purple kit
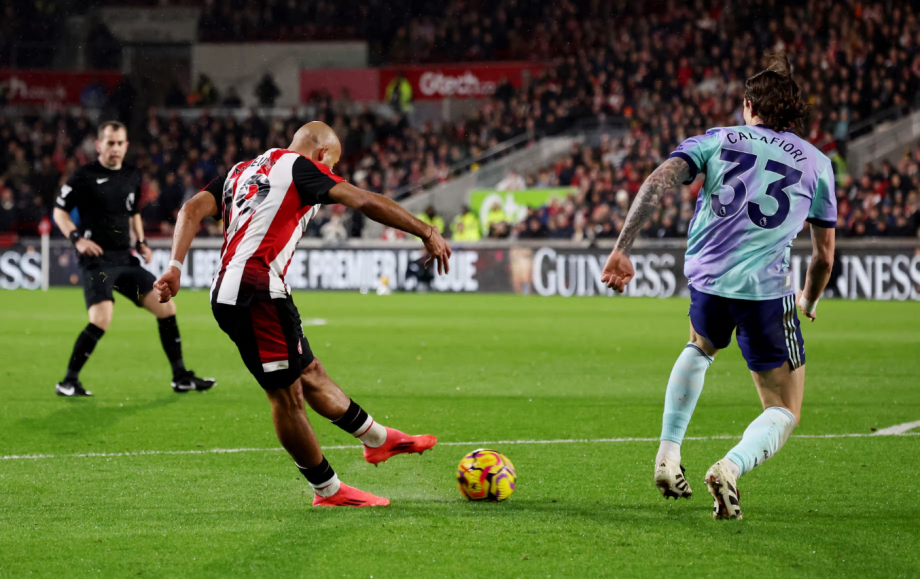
762,184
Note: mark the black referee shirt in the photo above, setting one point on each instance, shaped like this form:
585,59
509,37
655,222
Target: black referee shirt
106,199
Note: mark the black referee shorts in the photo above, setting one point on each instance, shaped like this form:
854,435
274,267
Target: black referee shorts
270,338
101,279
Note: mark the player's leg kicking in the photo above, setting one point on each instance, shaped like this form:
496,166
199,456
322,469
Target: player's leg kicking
297,437
380,443
270,339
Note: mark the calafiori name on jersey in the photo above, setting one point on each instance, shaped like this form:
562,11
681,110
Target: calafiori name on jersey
790,148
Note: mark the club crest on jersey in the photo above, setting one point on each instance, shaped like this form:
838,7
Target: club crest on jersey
299,347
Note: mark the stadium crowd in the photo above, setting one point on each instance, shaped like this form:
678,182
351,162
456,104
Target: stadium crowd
852,60
884,202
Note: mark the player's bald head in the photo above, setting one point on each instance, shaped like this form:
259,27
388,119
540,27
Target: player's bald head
317,141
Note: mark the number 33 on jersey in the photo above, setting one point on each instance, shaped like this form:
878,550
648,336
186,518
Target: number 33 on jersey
761,187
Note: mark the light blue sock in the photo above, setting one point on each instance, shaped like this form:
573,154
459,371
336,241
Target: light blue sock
763,438
684,389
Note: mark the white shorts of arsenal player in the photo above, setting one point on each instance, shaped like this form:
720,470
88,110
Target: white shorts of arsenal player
265,205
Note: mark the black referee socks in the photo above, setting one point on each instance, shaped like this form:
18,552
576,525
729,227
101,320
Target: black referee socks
172,344
82,348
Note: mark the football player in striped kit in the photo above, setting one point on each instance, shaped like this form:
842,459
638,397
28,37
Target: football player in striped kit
264,204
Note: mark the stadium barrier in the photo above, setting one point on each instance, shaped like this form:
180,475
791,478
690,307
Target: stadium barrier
866,268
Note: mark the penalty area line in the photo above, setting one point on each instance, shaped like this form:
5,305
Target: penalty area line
898,430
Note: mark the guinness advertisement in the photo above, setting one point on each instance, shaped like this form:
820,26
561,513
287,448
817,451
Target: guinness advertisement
865,271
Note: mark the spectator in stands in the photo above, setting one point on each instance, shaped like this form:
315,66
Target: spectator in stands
31,207
19,169
9,213
605,67
465,226
512,182
500,230
171,193
399,93
497,221
333,231
45,181
205,93
531,228
153,210
267,92
431,217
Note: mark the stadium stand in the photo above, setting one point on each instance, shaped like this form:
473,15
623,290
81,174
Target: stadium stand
854,62
884,202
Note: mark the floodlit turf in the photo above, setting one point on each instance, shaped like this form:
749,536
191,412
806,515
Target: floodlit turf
466,368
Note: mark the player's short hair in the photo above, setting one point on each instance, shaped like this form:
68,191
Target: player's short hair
775,97
116,125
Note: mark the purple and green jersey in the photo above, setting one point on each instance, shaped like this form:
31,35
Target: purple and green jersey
761,187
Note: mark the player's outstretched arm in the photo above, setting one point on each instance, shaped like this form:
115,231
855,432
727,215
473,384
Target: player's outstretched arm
187,223
823,241
388,212
619,270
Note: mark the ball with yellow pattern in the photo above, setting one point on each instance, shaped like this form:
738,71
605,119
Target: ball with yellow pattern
486,475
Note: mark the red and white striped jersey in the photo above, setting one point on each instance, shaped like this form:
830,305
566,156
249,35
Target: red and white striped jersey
265,205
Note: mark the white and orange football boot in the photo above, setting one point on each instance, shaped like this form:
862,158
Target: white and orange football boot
399,443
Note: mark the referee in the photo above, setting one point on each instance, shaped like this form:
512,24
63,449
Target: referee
106,194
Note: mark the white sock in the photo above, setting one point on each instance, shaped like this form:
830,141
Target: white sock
762,439
684,388
736,470
670,449
328,488
371,434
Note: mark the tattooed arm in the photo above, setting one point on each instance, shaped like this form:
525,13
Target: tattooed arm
619,270
668,175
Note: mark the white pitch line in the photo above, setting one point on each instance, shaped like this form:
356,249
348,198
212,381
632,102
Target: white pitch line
897,429
482,443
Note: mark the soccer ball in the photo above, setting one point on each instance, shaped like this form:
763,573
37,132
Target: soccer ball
486,475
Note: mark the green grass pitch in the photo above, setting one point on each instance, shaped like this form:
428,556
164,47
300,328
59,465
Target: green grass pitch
466,368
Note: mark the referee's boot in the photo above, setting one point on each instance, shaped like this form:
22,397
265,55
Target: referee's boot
188,382
71,388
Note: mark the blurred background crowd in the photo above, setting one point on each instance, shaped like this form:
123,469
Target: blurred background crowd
666,71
